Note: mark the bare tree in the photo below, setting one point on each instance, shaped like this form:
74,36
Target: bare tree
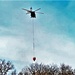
5,67
40,69
20,73
13,72
66,70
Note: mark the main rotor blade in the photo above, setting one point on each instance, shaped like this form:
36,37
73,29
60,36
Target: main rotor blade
40,12
25,9
37,9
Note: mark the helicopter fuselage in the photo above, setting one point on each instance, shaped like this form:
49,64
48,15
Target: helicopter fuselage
32,13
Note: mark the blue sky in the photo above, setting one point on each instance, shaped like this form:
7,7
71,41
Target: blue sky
54,32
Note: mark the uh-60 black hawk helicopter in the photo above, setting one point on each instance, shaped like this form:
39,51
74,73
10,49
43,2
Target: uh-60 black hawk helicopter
32,13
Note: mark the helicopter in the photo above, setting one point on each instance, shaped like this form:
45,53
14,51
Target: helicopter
31,12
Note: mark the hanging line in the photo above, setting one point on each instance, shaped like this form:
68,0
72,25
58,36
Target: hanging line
33,36
33,32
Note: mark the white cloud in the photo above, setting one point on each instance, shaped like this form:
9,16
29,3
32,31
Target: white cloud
53,47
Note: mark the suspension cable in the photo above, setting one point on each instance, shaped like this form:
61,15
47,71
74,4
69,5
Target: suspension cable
33,37
33,27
